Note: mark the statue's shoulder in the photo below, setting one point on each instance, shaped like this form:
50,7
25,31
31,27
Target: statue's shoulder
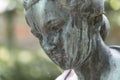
115,51
115,47
114,61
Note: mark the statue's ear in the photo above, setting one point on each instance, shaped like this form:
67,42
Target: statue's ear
97,22
105,26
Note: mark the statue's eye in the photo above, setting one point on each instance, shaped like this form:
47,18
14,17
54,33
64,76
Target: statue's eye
55,28
55,25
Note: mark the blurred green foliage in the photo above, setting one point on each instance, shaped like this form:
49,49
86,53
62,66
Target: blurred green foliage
112,11
115,4
25,65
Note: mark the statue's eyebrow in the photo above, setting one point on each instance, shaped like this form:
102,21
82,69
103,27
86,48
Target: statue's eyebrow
54,23
33,3
48,23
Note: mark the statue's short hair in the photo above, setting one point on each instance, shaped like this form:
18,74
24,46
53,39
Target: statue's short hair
85,7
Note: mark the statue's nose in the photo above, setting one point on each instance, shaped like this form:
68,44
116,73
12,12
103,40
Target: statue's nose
50,42
48,47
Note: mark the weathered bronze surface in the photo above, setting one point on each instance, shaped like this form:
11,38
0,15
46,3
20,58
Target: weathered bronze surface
72,33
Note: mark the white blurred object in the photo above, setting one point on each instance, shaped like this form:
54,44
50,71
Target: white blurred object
3,5
68,75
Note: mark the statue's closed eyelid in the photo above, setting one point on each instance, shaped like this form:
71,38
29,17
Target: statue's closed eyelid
54,25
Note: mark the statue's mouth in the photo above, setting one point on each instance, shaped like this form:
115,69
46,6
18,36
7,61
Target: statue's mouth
59,57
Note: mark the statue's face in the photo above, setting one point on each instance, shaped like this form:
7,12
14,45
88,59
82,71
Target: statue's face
66,36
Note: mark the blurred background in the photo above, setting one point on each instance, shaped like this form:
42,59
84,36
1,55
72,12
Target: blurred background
21,57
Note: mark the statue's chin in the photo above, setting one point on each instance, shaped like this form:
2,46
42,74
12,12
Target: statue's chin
65,62
59,57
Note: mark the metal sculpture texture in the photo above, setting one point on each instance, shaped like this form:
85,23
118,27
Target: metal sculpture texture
72,33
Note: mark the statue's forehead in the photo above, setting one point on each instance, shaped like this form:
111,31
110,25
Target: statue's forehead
70,5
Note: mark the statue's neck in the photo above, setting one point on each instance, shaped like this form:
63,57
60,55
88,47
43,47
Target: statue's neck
97,63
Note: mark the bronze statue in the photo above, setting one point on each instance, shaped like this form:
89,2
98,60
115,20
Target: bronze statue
72,33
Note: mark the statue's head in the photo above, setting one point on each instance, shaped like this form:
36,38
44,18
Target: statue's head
65,28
